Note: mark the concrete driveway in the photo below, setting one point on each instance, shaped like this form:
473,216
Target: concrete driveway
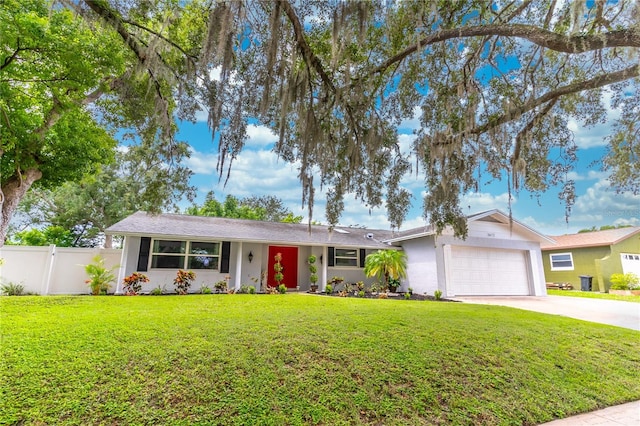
612,312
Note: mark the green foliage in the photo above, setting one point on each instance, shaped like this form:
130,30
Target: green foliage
386,265
252,289
328,289
221,286
156,291
410,290
592,295
361,293
277,267
12,289
602,228
133,283
265,208
313,269
407,296
437,294
56,235
205,290
137,180
183,281
282,289
100,277
628,281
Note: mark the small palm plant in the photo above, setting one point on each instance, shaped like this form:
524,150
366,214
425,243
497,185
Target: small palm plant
389,266
100,277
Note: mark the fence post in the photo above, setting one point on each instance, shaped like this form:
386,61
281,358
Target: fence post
48,269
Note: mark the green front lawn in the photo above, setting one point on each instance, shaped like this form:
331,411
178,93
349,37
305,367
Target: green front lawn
593,295
298,359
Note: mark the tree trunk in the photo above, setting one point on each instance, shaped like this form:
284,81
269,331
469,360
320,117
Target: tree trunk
108,241
13,190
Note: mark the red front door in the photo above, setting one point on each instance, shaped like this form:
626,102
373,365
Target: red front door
289,265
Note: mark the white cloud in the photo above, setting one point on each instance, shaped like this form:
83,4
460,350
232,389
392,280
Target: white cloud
475,202
600,200
405,142
260,136
591,175
412,123
594,136
202,163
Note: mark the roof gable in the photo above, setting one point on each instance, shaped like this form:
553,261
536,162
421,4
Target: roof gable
490,216
592,239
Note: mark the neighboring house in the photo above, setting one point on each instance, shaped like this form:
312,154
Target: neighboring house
497,258
597,254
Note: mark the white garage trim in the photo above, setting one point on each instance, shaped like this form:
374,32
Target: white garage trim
630,263
484,271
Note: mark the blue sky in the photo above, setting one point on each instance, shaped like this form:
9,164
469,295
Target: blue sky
257,171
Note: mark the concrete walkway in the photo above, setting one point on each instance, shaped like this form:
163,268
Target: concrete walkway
612,312
618,415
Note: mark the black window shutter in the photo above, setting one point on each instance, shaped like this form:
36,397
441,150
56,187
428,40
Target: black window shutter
143,255
331,255
363,254
226,253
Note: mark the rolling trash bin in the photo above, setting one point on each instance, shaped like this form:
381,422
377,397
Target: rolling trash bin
585,282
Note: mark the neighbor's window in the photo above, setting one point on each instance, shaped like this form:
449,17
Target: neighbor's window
346,257
561,262
168,254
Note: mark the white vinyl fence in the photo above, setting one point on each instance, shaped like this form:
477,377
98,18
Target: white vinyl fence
52,270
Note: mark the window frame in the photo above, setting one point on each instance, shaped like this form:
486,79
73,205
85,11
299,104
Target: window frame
186,254
356,258
561,268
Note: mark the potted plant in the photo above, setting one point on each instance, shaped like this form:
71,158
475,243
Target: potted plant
313,277
277,267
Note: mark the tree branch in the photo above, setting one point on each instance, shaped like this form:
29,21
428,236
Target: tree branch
517,111
560,43
303,46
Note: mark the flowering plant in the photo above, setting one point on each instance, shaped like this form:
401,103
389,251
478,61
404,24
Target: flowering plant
133,283
182,281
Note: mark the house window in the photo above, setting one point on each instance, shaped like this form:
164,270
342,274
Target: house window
346,257
631,257
561,262
170,254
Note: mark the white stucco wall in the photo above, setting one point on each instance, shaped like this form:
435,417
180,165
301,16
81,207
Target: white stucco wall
422,269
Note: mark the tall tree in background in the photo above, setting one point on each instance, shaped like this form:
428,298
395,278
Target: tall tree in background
67,85
137,180
266,208
494,85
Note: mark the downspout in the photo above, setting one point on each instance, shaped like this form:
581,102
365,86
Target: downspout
123,262
237,281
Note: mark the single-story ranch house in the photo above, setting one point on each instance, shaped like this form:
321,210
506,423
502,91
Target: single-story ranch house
497,258
598,254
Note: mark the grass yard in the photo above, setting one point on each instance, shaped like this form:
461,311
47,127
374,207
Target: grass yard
298,359
593,295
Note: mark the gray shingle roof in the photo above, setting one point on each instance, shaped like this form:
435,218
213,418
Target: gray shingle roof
190,227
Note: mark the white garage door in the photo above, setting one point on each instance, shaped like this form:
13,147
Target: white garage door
630,263
486,271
